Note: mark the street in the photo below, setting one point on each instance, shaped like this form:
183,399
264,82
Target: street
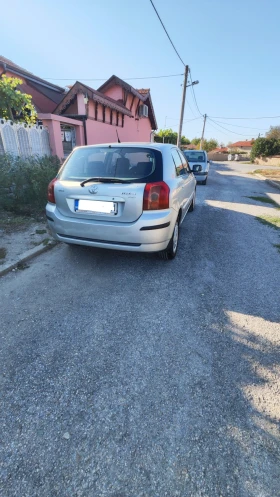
126,376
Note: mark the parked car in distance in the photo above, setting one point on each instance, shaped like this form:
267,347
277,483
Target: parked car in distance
125,196
199,164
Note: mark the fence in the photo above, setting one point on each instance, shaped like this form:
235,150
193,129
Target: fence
217,157
23,139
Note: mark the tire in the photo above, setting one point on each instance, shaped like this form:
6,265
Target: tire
204,182
192,206
171,249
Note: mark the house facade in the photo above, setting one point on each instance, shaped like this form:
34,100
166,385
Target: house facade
81,115
241,146
116,111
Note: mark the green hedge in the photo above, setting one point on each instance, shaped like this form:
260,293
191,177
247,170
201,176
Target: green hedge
24,182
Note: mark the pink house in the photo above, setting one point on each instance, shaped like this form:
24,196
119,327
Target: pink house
86,116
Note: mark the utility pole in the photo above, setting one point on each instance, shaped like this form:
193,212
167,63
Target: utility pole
202,136
164,128
183,106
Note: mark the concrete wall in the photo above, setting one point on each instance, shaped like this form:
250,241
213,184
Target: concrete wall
268,161
217,157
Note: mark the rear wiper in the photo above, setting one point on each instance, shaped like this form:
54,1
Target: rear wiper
105,180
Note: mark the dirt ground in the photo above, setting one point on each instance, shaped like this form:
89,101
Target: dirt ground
19,234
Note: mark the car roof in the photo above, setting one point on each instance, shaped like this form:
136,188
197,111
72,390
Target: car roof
195,151
156,146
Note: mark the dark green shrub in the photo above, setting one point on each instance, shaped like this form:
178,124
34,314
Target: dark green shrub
24,181
265,147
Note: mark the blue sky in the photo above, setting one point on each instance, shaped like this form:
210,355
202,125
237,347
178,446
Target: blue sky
231,47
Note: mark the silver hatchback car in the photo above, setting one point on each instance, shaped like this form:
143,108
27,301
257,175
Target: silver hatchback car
124,196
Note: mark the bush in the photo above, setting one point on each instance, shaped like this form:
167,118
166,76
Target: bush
24,182
265,147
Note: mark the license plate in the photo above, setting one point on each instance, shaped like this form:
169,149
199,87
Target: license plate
97,206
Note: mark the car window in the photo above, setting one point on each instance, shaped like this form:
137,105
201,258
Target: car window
122,162
184,162
177,162
195,156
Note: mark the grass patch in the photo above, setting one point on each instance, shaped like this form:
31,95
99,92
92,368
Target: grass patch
277,245
265,200
272,221
3,252
268,173
10,222
40,232
22,265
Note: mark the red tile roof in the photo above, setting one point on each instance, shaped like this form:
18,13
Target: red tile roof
11,63
220,150
247,143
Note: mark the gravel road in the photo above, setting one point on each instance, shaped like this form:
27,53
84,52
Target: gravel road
126,376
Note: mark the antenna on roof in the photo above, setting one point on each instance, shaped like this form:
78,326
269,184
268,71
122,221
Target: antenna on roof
119,141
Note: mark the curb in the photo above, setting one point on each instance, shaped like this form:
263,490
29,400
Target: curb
29,254
269,181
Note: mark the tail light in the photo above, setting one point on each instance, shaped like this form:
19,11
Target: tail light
51,197
156,196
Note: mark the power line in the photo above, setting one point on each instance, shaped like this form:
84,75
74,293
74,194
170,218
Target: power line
267,117
167,33
191,109
187,120
105,79
237,126
229,130
194,93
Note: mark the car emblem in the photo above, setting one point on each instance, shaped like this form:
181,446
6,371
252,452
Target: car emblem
93,190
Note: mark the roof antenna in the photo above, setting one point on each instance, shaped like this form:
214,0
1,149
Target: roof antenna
119,141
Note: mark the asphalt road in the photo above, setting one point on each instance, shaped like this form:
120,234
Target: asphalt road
126,376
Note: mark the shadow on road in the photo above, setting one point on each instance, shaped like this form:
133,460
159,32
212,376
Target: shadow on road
164,374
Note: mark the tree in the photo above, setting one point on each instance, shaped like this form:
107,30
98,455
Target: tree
170,136
185,141
195,141
209,145
15,105
274,132
264,147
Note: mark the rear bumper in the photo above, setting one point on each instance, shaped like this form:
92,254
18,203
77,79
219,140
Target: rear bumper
150,233
201,176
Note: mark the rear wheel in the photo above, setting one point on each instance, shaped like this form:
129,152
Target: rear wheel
171,250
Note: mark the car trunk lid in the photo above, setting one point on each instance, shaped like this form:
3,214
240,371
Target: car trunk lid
115,202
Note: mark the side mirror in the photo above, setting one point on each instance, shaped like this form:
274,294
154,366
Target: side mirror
208,162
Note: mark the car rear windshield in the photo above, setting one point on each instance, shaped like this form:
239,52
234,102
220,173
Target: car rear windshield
133,164
195,156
